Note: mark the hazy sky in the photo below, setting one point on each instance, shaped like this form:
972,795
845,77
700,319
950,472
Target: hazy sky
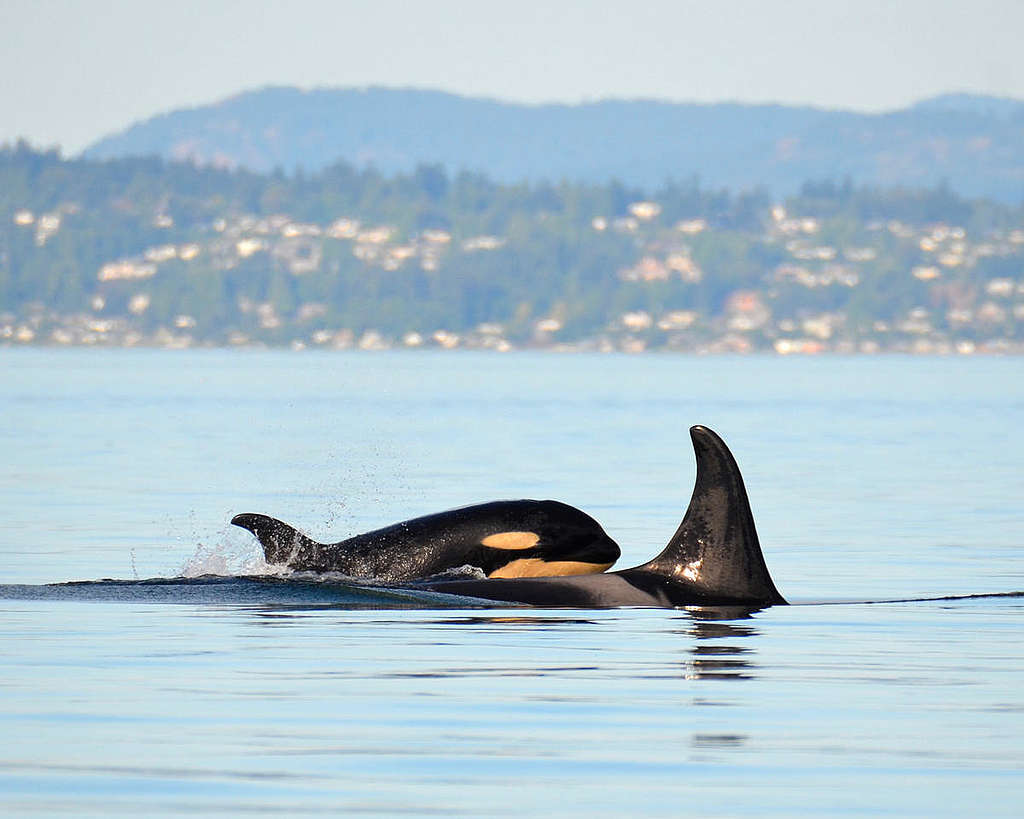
75,71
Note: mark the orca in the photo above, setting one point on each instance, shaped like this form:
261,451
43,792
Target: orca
713,559
503,539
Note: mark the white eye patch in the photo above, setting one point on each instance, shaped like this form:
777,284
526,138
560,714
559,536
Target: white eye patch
511,540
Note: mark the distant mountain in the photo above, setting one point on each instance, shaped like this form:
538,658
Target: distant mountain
996,107
975,144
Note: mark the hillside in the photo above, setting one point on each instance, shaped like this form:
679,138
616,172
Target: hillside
974,144
144,251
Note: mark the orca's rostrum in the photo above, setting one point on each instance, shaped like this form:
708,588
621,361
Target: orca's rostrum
543,553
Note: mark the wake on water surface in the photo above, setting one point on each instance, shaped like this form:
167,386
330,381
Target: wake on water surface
306,589
241,590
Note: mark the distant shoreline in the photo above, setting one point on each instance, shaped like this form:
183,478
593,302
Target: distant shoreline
936,351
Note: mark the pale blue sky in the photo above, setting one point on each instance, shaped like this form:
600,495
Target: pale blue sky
75,71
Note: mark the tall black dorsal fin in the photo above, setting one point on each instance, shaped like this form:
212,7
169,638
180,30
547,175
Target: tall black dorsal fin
716,548
280,541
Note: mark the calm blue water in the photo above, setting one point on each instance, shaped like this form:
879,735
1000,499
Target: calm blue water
870,478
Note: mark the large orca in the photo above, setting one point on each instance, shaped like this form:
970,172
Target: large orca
512,538
713,559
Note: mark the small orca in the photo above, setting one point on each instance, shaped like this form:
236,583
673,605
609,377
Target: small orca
503,539
713,559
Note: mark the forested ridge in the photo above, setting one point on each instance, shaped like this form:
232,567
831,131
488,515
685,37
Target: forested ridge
132,251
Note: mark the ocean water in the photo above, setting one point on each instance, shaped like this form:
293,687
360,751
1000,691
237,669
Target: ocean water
870,478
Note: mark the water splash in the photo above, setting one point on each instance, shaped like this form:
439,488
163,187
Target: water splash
230,557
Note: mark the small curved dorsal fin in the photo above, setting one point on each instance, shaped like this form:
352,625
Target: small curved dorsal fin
280,541
716,546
